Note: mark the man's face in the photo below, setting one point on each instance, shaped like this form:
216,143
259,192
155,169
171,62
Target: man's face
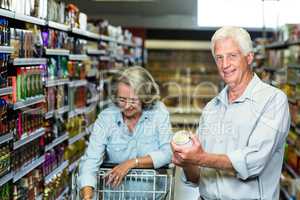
128,101
232,65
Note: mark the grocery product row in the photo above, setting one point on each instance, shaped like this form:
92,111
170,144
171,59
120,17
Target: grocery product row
277,62
55,70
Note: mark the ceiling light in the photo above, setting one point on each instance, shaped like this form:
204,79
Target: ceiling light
125,1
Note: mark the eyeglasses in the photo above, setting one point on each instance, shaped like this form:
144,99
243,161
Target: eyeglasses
230,56
125,100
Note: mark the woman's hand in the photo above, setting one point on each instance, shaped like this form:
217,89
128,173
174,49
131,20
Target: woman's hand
87,193
116,175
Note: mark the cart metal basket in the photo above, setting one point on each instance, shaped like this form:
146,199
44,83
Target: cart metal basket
138,184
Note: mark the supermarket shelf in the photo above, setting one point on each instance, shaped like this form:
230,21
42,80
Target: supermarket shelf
62,110
77,111
286,194
6,178
73,165
185,119
34,135
57,141
293,82
179,110
56,171
61,196
30,101
78,57
297,130
58,26
7,13
57,82
107,38
129,44
104,58
29,19
77,137
77,83
29,61
5,91
293,66
87,34
104,103
49,114
28,168
57,52
6,138
277,45
292,100
93,99
96,52
291,170
270,69
6,49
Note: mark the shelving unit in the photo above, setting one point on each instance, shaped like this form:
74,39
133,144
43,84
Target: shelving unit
61,196
56,171
96,52
57,52
57,141
6,49
29,61
77,137
6,138
29,102
58,26
6,178
28,168
282,56
5,91
29,19
78,57
77,83
32,136
64,113
73,165
56,82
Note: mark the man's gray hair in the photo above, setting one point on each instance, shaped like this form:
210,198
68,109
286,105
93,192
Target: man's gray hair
239,35
142,83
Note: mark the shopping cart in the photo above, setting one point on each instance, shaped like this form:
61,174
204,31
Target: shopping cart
138,184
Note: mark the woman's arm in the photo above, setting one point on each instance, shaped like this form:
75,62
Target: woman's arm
92,158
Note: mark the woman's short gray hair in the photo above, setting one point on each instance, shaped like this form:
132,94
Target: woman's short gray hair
239,35
142,83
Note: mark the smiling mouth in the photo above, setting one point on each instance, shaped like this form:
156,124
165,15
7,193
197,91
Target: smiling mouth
229,73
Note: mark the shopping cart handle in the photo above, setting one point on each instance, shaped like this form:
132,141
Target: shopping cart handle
112,165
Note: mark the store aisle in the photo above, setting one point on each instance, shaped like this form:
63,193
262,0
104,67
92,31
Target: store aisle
183,192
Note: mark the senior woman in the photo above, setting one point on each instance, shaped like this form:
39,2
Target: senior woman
134,131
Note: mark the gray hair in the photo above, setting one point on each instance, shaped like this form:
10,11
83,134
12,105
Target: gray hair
239,35
142,83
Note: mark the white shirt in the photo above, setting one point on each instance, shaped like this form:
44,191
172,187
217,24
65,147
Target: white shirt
251,131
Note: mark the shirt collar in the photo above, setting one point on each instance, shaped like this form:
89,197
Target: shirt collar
145,115
247,94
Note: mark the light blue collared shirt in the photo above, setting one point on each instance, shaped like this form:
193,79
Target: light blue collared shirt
251,131
111,137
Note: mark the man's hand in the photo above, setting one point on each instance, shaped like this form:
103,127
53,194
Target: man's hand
186,156
116,175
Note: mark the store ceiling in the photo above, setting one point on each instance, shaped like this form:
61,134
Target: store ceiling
149,8
174,14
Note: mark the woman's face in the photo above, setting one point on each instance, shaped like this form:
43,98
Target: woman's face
128,101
